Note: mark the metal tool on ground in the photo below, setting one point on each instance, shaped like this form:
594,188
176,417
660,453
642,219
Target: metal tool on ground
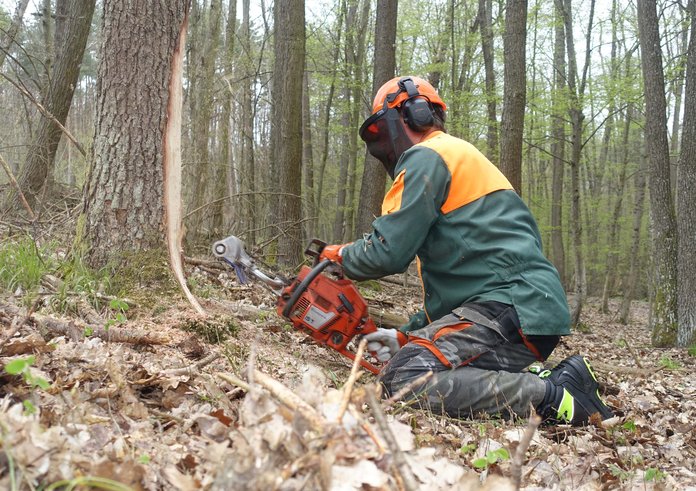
330,310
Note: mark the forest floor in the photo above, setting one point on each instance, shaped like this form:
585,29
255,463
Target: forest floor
154,396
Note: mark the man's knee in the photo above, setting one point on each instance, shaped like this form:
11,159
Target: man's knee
408,365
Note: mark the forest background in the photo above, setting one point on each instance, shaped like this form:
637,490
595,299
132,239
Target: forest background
588,107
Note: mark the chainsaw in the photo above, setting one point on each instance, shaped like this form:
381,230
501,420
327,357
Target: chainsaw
331,311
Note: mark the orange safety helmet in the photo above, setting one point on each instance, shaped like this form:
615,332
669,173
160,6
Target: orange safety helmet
393,87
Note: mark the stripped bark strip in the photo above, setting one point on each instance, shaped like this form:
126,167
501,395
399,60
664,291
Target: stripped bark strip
172,167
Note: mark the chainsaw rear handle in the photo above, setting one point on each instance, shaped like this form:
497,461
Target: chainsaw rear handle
302,287
315,252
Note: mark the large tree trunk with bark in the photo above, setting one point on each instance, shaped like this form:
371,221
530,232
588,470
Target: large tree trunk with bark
662,220
286,133
686,202
123,207
514,91
374,176
39,164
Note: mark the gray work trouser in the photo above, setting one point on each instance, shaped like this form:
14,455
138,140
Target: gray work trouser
476,357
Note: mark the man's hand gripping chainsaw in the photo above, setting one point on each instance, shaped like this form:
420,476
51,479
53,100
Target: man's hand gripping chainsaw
331,311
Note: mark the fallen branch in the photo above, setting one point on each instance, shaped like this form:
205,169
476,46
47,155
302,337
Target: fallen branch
404,471
15,185
234,380
348,387
290,399
191,369
77,330
396,397
17,325
518,459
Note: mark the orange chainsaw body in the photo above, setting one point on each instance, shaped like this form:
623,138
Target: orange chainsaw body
331,311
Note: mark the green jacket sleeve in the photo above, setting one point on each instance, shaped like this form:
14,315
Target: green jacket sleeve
397,235
416,321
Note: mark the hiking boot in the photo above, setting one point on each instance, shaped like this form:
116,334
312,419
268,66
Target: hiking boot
572,393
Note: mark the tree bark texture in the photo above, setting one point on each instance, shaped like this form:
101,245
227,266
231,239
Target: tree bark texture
123,204
576,121
686,202
247,175
202,173
39,164
662,220
514,91
308,194
8,37
374,176
486,28
286,132
631,276
558,145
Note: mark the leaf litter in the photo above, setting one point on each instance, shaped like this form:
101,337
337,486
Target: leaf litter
257,406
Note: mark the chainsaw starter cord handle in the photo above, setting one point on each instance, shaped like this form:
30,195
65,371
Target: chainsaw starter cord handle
316,271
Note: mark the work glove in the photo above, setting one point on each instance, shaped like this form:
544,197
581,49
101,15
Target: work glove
332,253
384,343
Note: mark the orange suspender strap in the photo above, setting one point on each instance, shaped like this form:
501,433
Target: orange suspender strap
430,345
530,346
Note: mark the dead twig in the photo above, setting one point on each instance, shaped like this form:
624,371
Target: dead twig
633,353
407,388
234,380
16,326
518,459
290,399
402,468
348,387
15,185
191,369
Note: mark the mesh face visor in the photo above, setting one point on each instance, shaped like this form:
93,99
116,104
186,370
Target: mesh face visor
384,135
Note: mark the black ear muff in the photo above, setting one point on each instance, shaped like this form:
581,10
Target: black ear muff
418,115
416,110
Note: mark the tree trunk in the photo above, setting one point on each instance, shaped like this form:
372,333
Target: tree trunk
224,213
374,175
686,202
664,232
514,92
631,277
577,118
558,144
486,28
326,120
286,129
201,171
123,207
308,198
248,166
40,161
613,253
9,36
